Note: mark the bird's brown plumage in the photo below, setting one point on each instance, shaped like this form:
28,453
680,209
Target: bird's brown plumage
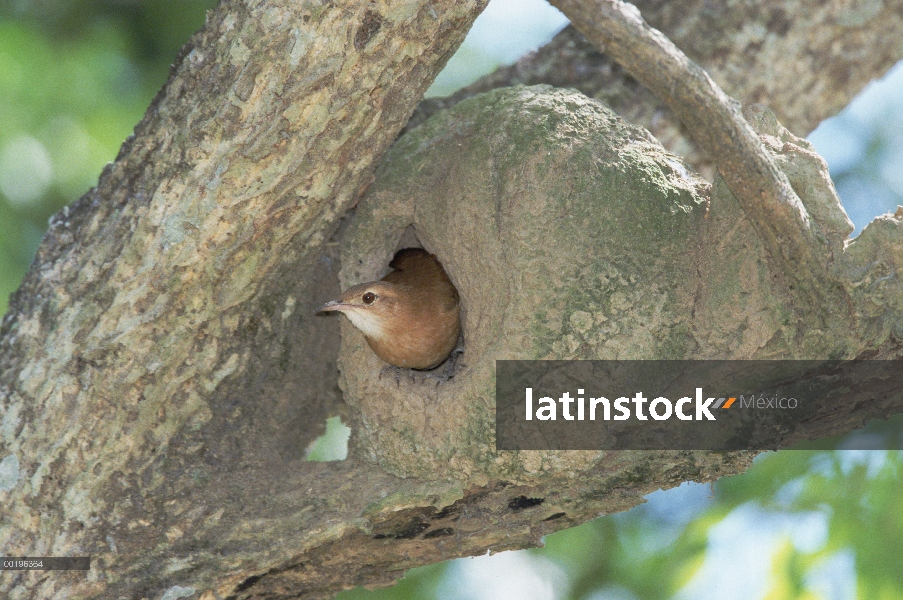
411,318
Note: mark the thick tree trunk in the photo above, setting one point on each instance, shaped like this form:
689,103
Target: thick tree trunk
193,263
161,371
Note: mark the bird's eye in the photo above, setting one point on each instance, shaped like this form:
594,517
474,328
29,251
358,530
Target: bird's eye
368,298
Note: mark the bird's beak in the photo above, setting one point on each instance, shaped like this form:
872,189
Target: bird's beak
331,306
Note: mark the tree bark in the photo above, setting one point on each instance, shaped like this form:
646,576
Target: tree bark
161,372
155,341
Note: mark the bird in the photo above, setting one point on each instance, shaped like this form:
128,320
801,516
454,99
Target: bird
411,318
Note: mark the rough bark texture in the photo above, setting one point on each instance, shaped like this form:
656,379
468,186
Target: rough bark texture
161,371
193,264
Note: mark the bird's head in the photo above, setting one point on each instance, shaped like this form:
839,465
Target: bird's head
369,306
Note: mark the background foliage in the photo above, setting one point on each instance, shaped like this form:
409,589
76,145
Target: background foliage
77,75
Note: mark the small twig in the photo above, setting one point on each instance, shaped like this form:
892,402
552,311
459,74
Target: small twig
715,122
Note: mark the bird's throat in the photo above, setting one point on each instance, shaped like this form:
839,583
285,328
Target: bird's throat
369,323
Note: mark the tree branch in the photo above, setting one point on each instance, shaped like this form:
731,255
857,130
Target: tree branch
830,51
161,371
163,336
717,125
